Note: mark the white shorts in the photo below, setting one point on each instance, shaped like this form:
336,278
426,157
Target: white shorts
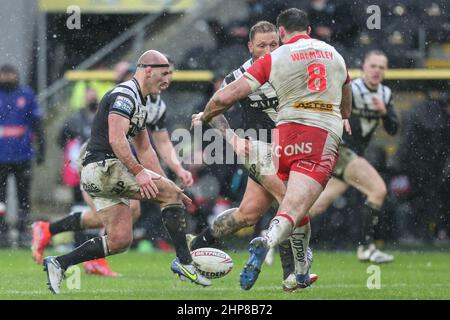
108,183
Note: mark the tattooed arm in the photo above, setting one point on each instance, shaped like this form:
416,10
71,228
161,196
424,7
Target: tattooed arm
225,224
221,124
240,146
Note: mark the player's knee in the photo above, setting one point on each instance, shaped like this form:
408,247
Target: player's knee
119,242
317,209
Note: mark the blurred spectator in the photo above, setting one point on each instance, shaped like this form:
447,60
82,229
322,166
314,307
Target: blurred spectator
424,157
20,124
75,131
124,71
79,89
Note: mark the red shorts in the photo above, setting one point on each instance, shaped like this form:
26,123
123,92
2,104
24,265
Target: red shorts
309,150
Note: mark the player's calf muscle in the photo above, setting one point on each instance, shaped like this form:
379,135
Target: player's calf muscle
226,224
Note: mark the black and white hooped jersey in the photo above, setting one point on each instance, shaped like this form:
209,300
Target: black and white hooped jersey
259,108
156,116
126,100
364,120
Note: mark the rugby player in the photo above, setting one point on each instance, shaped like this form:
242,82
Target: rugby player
259,116
112,176
314,92
372,104
88,219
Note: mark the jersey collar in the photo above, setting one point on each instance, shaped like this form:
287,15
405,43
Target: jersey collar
144,100
296,38
367,87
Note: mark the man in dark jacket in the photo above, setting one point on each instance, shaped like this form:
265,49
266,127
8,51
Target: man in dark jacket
20,126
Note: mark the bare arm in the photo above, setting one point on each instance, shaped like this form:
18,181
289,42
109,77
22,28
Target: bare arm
117,130
166,151
241,146
146,153
346,103
224,98
221,124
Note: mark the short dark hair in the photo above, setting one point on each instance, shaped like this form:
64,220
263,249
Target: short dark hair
261,27
376,52
293,19
8,68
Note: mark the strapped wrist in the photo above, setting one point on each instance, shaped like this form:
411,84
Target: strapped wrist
136,169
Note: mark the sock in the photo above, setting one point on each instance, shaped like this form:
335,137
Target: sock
174,220
300,242
369,216
90,250
280,229
72,222
204,239
3,224
287,258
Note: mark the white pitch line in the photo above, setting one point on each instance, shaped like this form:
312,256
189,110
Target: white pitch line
265,288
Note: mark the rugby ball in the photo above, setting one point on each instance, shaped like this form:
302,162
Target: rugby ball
212,263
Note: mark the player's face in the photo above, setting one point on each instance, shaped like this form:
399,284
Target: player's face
166,84
263,43
8,77
158,78
373,68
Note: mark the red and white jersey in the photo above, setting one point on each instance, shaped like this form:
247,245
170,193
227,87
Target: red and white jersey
307,75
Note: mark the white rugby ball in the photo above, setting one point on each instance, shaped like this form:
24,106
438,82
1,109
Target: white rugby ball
212,263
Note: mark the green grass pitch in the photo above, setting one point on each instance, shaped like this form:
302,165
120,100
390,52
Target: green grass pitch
414,275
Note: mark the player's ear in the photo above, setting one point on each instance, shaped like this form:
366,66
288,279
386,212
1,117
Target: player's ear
308,30
250,46
281,32
148,72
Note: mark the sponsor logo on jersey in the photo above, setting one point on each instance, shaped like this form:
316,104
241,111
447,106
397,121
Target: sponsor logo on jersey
293,149
123,104
314,106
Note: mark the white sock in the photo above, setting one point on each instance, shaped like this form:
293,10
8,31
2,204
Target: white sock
280,229
299,243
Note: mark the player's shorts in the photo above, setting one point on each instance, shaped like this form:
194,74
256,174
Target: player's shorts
80,159
306,149
260,162
109,183
346,156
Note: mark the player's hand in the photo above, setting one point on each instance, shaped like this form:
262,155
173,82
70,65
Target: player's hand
379,106
186,200
196,119
186,177
347,126
241,146
147,186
